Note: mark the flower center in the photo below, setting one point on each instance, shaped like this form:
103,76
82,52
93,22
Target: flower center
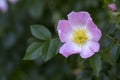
79,36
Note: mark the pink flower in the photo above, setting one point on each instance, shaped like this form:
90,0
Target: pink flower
13,1
79,34
3,5
112,7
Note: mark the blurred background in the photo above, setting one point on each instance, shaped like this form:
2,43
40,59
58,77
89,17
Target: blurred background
16,17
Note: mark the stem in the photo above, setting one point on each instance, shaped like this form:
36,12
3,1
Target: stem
117,42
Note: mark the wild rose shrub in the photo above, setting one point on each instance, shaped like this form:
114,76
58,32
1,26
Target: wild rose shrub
33,40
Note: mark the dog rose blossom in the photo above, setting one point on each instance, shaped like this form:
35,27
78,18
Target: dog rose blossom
112,7
79,34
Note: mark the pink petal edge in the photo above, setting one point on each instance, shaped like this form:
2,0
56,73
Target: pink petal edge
89,49
64,30
78,19
69,48
94,30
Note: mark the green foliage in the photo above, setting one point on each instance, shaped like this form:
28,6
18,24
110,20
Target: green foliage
33,51
35,8
118,4
27,57
40,32
50,49
114,54
96,64
47,49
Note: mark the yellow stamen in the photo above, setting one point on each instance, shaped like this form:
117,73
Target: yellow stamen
79,36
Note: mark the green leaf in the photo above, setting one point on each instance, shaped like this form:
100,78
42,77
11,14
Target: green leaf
106,42
40,32
46,50
111,28
84,75
114,55
50,49
104,77
118,4
117,34
33,51
96,64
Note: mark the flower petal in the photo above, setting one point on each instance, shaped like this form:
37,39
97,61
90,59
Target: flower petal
89,48
94,31
3,5
112,7
64,30
78,19
69,48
